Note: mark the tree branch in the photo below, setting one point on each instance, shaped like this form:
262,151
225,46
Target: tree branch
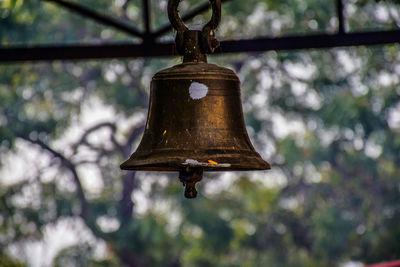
70,166
93,129
126,204
85,212
129,181
124,10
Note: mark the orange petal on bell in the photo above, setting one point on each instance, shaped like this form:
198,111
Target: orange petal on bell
165,131
212,162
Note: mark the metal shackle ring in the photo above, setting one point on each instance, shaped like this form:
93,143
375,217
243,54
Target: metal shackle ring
209,43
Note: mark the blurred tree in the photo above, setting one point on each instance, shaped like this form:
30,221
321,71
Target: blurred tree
327,120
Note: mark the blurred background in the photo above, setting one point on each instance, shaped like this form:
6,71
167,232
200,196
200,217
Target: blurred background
327,120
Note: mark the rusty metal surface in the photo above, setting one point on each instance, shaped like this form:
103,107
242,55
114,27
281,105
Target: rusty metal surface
195,119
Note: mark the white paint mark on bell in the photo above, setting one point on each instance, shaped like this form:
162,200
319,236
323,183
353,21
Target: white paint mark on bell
195,163
198,90
191,161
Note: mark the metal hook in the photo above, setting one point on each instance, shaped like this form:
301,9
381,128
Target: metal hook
209,42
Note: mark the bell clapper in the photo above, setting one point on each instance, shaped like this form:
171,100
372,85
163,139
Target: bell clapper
189,177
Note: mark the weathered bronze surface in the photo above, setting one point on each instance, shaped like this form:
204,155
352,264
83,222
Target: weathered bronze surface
195,120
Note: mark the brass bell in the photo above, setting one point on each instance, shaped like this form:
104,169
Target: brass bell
195,119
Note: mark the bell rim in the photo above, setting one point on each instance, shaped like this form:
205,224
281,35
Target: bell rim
206,169
215,162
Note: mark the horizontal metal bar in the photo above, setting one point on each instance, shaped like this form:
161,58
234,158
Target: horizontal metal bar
95,51
128,50
311,41
81,10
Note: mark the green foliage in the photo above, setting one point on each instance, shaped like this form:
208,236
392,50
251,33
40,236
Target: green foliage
6,261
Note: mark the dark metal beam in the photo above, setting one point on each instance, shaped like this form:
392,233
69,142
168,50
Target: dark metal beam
146,16
166,28
340,16
311,41
81,10
67,52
